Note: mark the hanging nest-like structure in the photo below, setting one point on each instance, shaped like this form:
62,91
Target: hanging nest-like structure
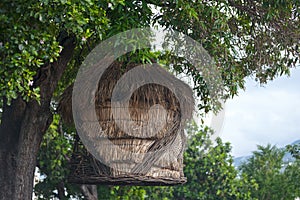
150,156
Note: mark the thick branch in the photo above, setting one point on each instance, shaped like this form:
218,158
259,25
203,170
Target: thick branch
50,74
89,192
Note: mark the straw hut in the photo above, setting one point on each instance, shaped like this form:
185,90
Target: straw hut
151,156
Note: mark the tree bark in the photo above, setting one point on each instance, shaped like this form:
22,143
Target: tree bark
61,191
22,128
89,192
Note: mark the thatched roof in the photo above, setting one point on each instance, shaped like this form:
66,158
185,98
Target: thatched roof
147,95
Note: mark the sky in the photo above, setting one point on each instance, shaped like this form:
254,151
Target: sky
263,114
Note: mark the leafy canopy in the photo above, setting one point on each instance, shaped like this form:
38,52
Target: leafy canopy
245,38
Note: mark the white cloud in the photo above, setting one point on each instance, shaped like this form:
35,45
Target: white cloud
262,115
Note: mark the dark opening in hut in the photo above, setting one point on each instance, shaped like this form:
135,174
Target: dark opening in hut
153,156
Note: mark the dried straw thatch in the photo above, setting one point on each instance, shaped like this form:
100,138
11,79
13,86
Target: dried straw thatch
145,162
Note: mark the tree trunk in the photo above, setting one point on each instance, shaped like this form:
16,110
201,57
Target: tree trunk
9,128
22,128
89,192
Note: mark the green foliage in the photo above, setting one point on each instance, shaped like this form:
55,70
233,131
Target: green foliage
291,178
159,192
127,193
30,33
240,35
275,179
138,193
245,39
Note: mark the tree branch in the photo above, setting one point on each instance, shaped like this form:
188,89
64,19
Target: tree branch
89,192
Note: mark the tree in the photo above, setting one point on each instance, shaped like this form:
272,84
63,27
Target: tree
42,44
275,179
